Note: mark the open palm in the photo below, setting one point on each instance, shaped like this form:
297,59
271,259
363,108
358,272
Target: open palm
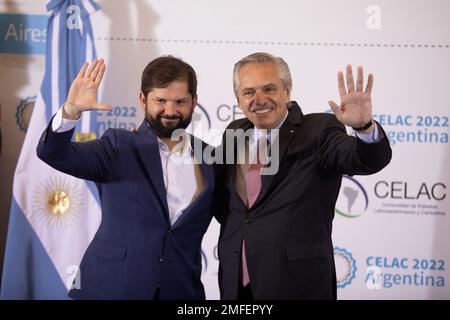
83,91
355,109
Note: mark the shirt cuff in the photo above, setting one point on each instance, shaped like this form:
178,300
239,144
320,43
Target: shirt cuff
372,137
59,124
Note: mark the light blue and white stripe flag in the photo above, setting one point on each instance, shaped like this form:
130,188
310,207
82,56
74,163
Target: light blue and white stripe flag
53,216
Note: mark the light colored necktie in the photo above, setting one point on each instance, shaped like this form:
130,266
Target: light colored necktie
253,183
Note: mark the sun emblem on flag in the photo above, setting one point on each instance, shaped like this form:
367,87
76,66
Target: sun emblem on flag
58,202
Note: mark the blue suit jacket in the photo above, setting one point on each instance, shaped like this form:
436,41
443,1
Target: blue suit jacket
135,249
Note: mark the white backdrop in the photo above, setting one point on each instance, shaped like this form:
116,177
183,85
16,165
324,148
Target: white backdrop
391,229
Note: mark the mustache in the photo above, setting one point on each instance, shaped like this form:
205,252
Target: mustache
262,106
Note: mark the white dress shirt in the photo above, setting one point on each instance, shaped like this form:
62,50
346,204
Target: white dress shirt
180,178
183,180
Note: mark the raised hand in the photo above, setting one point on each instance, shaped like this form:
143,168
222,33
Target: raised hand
83,91
355,109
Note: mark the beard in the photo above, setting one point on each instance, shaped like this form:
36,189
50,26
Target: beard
163,131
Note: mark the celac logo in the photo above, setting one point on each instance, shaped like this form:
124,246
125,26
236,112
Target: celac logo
205,258
353,200
24,111
345,267
200,124
201,115
204,261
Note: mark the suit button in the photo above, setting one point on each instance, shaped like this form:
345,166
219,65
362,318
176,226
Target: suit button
161,259
236,253
170,234
248,220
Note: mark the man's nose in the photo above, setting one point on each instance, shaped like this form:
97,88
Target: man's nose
260,97
170,108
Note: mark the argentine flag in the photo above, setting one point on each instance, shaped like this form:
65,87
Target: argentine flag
53,216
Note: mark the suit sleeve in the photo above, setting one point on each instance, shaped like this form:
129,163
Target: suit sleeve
340,153
85,160
220,184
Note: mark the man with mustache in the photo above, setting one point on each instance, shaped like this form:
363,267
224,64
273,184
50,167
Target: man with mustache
155,197
275,240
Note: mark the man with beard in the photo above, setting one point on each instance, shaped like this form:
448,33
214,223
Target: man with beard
155,198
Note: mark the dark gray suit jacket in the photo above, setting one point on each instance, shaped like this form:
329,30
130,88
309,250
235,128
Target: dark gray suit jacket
288,230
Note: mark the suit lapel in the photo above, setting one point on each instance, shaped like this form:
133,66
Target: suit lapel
236,169
285,137
148,150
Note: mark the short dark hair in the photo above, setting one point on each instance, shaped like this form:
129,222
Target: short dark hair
160,72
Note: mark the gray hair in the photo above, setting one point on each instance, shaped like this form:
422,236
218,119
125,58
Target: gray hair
259,58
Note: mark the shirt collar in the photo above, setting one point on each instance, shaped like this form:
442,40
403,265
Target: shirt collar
183,149
259,133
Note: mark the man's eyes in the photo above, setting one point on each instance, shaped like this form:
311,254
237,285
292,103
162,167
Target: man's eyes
178,102
248,93
181,102
270,89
